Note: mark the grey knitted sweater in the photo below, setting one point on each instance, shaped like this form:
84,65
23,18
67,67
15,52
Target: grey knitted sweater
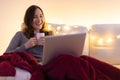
17,45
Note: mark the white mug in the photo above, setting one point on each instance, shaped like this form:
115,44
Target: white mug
38,35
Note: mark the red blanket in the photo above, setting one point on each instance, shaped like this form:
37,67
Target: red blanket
23,60
67,67
64,67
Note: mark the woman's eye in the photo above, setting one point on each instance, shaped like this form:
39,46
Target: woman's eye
41,16
35,16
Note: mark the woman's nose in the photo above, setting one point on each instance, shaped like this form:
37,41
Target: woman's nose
38,19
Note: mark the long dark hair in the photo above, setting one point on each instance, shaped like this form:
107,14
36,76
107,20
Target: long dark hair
28,18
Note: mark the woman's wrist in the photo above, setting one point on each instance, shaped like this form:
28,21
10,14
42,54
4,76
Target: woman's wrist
26,47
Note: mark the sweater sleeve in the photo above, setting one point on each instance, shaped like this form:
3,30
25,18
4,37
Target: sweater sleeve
15,43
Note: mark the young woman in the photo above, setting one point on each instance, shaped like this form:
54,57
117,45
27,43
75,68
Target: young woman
25,40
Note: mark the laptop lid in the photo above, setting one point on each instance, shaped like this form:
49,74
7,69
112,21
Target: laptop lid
60,44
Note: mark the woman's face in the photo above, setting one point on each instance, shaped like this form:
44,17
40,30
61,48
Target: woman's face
38,20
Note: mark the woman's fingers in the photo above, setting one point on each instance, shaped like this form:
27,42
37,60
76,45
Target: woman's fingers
31,43
41,41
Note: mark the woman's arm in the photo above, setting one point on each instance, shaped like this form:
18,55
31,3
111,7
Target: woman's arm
15,43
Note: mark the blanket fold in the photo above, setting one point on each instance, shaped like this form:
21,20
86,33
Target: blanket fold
23,60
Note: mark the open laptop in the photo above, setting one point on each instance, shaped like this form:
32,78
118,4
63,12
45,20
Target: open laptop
55,45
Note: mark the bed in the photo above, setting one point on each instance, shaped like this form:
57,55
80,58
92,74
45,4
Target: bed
22,74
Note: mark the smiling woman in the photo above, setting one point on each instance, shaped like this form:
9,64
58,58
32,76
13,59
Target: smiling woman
26,40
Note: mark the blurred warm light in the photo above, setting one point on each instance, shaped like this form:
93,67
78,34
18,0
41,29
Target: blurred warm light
49,27
109,40
88,28
75,26
93,38
100,41
58,28
66,28
56,32
118,36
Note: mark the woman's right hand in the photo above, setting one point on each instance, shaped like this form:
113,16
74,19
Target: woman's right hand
31,43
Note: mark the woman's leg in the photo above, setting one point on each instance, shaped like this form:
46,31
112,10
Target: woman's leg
68,67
